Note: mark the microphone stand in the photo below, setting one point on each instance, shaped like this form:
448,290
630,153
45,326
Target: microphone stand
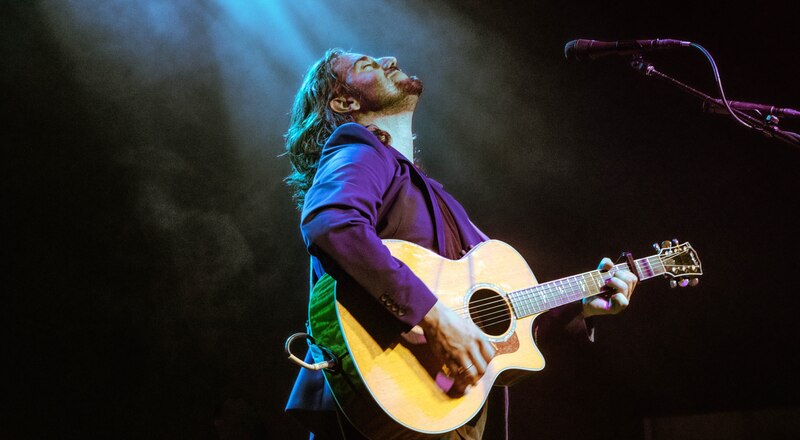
767,127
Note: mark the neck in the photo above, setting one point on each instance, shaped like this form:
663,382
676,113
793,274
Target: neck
398,125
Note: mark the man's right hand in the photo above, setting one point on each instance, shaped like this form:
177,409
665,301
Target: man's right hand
463,347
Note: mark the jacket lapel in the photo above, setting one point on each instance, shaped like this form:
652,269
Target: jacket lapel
433,206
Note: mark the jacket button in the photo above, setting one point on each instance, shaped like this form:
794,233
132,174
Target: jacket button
395,308
401,312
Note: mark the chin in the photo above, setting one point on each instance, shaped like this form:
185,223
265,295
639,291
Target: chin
411,85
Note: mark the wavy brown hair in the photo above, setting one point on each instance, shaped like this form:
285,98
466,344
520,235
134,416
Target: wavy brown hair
312,121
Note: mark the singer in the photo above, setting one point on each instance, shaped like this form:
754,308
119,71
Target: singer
354,178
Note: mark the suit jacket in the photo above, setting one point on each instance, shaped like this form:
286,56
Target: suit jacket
363,192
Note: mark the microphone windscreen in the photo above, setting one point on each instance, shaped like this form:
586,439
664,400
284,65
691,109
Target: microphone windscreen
569,48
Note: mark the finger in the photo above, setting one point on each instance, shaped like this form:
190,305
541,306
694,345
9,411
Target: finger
605,264
487,350
618,285
619,302
632,280
459,388
601,304
452,369
453,365
468,371
465,367
628,276
478,363
629,279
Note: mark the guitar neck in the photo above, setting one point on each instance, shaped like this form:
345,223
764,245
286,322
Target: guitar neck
549,295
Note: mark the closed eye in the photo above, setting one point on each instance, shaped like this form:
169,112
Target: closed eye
365,63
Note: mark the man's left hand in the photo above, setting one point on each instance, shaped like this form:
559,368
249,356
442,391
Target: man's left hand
622,283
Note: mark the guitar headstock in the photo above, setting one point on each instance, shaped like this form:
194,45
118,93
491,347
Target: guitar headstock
680,262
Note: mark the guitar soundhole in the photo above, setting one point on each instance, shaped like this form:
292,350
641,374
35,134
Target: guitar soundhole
490,312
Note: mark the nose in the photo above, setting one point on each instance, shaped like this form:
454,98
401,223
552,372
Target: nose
387,62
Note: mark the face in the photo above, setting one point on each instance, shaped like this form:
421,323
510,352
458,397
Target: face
383,86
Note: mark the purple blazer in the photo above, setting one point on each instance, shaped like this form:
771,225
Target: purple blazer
363,192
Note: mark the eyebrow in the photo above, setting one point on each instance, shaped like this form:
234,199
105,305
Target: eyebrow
363,58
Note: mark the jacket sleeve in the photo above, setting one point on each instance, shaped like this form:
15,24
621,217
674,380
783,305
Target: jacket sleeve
338,224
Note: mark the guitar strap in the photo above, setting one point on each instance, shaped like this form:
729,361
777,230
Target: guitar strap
310,288
320,355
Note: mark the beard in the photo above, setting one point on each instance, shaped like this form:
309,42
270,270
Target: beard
411,86
404,97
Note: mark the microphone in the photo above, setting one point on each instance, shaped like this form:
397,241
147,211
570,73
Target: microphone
581,50
719,107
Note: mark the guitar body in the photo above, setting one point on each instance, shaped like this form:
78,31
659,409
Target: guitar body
392,386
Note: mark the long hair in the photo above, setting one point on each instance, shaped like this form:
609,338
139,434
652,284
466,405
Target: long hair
312,121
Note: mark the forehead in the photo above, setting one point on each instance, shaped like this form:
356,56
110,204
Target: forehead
345,61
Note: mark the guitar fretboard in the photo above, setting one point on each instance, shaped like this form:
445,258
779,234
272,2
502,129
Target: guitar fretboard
552,294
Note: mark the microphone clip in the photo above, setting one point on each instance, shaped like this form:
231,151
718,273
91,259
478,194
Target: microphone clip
640,65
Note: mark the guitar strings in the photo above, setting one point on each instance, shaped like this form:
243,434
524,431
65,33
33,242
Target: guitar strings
550,291
501,308
498,311
488,309
495,310
571,282
546,288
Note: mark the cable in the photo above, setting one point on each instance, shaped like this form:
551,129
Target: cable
719,84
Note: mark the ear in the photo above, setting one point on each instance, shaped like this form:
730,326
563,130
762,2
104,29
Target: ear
344,104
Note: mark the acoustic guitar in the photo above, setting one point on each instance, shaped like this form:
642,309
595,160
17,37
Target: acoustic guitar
392,386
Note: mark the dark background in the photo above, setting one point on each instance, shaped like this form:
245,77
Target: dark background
153,263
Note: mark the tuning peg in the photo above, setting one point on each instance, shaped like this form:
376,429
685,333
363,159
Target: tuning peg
665,244
673,284
683,283
694,281
675,241
656,247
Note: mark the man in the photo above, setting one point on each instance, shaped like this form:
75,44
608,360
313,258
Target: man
352,151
